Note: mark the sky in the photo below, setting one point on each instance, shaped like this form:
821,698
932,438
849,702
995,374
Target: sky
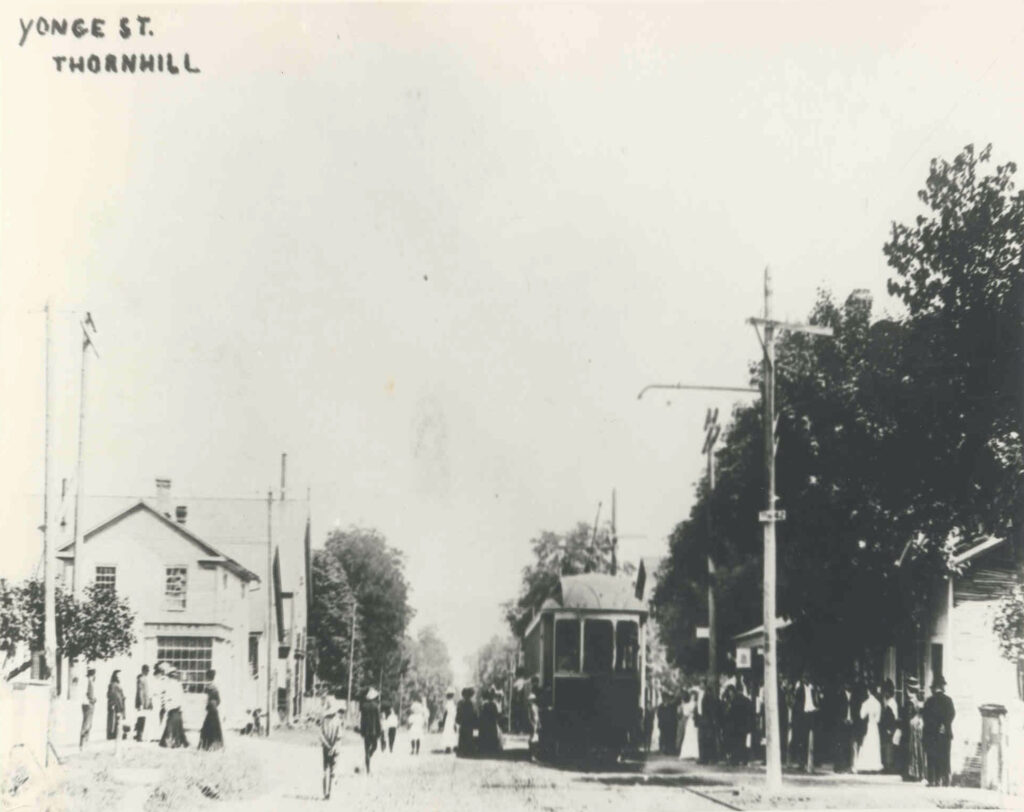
433,252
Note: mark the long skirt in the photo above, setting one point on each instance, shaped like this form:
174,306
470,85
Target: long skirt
210,735
174,730
915,764
114,720
467,744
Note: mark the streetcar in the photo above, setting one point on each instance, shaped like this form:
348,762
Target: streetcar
584,651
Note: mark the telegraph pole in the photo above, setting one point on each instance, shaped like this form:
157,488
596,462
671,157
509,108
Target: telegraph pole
351,661
768,517
711,432
49,599
270,609
75,543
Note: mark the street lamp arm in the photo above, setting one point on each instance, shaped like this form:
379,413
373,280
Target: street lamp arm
696,387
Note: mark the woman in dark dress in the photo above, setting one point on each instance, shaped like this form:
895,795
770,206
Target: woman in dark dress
466,719
115,706
210,735
489,742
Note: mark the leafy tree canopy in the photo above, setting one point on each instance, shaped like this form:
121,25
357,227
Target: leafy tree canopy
429,672
96,626
376,576
578,551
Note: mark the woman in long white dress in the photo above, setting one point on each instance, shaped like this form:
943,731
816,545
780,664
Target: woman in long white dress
449,733
869,756
688,711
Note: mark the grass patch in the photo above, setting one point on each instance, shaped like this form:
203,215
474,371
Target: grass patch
201,777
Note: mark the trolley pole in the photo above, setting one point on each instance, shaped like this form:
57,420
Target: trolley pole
769,517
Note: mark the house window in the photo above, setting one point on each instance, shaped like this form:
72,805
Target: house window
175,587
192,656
106,578
254,655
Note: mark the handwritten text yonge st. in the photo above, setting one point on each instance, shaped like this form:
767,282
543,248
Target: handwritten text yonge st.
94,28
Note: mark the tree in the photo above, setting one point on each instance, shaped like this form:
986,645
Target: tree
572,553
376,576
494,663
960,274
98,626
429,673
330,621
837,433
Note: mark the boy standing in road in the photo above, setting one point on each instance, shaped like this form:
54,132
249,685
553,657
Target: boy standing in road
330,733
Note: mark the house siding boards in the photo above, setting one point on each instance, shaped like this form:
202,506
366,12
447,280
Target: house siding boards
142,545
961,613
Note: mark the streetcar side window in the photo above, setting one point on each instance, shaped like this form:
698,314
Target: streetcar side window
627,646
597,646
567,645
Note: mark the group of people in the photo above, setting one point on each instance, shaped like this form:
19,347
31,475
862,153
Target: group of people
700,726
378,727
861,725
160,696
468,730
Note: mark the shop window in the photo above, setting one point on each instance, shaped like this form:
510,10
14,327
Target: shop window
192,656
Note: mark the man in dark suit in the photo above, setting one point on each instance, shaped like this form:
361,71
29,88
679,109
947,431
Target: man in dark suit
938,714
806,702
707,725
844,728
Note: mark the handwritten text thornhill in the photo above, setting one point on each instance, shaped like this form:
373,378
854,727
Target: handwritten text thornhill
95,29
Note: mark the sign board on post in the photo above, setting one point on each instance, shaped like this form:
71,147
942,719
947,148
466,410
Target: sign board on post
703,633
743,658
772,516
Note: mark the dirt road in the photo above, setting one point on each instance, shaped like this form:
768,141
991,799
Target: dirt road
434,781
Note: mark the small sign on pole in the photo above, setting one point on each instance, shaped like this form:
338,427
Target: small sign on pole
772,516
703,633
743,658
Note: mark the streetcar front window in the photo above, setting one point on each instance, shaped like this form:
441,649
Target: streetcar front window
597,646
567,646
627,646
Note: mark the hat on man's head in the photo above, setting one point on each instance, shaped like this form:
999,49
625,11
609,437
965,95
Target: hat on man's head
450,692
938,682
372,693
911,682
468,692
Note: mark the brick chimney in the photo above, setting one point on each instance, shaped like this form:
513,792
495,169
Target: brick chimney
180,514
163,497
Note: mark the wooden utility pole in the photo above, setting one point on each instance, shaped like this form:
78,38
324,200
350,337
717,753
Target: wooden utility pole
75,541
768,517
711,432
49,598
351,661
270,608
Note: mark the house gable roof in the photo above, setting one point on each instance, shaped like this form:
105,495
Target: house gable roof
213,555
